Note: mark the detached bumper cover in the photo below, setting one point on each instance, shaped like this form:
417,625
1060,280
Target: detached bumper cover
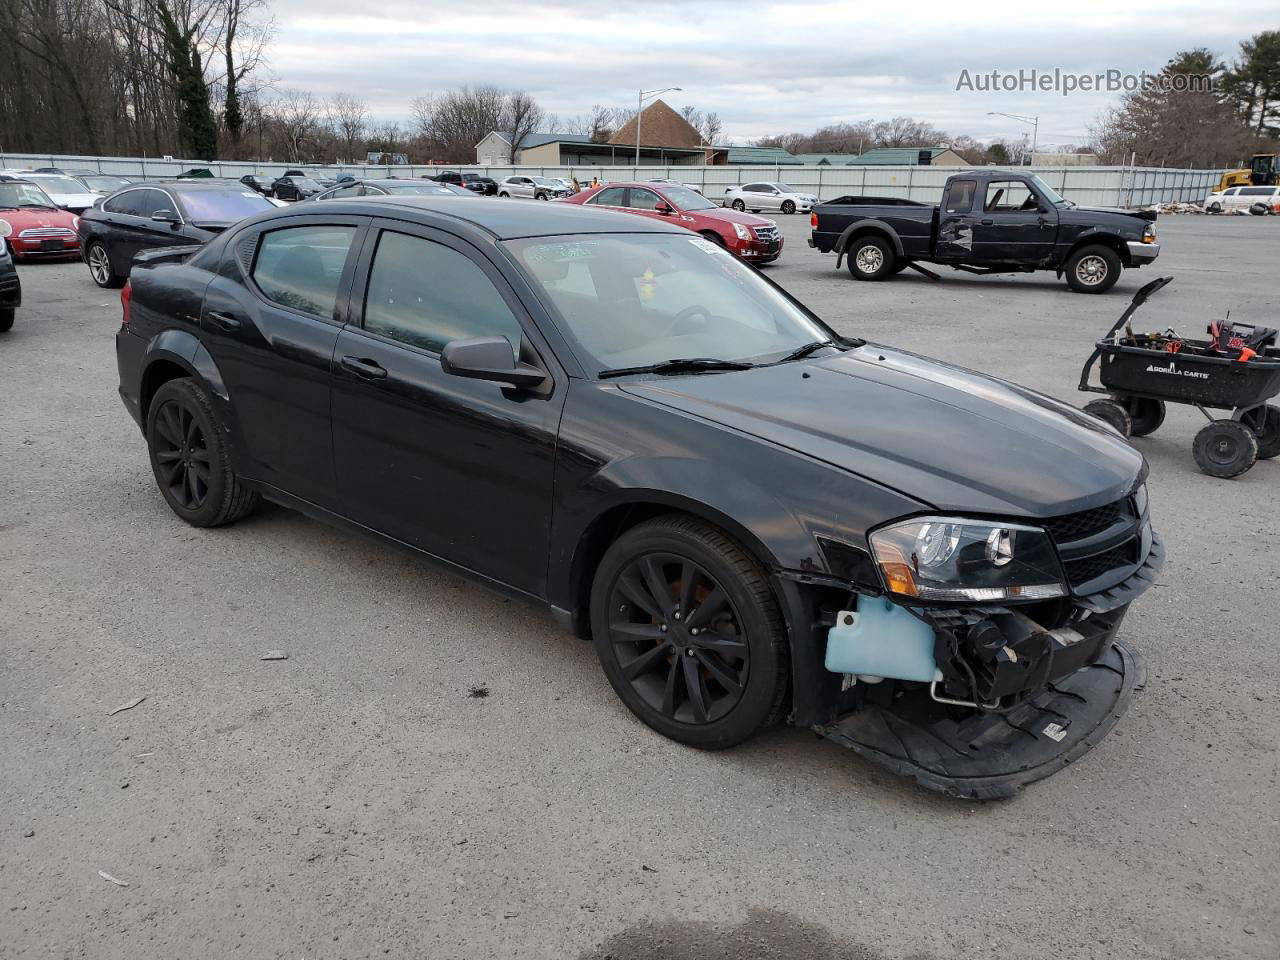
986,756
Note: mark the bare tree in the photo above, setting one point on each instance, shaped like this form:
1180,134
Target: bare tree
711,128
521,116
350,119
296,114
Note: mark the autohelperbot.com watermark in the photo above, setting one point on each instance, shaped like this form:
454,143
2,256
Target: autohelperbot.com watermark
1057,80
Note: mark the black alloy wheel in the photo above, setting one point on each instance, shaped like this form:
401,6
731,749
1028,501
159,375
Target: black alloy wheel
689,634
189,457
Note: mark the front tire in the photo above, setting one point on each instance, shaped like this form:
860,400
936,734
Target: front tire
870,258
1225,449
788,207
1110,412
189,457
1145,414
689,633
100,268
6,320
739,206
1093,269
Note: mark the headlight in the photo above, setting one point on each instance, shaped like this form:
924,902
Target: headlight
976,561
1149,235
742,232
75,223
6,228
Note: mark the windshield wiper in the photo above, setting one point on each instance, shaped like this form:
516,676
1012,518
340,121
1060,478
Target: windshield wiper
799,353
678,365
35,206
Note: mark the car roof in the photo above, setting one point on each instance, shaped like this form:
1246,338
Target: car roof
502,219
196,183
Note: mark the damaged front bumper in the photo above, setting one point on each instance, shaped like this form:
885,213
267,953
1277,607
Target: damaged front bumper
1012,702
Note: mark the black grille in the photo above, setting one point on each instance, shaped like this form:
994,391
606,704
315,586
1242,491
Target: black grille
1077,526
1081,571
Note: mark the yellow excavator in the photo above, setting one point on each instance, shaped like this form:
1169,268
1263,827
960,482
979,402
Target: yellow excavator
1263,171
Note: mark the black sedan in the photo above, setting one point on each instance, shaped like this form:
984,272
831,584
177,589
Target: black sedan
162,214
750,516
257,183
350,189
295,187
475,182
10,285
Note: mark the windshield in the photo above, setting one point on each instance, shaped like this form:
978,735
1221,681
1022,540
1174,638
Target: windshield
786,188
105,184
15,195
222,206
545,182
57,184
628,300
429,189
687,199
1048,192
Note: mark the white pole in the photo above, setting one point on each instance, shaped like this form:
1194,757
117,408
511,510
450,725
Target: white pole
639,110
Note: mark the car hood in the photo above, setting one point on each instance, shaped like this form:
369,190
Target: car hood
30,219
949,437
729,215
1150,215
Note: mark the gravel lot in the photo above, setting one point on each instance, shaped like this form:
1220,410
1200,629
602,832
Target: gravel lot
356,800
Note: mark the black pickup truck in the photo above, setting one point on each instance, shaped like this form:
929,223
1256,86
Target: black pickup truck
988,222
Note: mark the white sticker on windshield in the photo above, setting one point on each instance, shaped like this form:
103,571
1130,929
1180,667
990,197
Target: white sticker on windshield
706,246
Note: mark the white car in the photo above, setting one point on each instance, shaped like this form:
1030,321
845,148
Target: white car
1242,198
767,195
534,188
67,192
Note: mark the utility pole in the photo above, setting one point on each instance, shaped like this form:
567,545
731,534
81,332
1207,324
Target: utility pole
641,97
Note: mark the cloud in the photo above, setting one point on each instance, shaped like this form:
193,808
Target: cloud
765,67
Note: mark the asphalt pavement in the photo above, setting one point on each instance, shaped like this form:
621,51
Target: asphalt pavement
362,799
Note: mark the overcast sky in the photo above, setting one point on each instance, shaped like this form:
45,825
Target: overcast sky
766,68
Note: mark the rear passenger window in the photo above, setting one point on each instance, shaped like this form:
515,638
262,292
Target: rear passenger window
610,197
960,196
301,267
425,294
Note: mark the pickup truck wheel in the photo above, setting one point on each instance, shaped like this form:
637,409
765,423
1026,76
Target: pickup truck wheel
6,320
870,258
100,267
1093,269
788,207
689,633
739,205
1110,412
1225,449
189,457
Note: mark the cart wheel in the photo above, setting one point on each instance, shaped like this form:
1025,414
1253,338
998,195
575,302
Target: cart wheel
1112,414
1265,423
1145,413
1225,448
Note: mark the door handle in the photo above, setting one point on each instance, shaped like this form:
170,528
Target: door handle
364,368
986,223
223,321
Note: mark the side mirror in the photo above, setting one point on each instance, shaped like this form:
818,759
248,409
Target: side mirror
663,208
488,358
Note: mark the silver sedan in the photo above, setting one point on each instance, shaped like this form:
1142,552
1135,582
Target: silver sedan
768,195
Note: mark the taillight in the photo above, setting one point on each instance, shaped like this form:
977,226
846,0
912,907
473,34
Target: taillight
126,302
813,221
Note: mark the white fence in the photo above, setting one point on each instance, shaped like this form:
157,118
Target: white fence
1091,186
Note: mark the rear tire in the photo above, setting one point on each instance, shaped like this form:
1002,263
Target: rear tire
6,320
712,685
788,207
189,457
870,258
1093,269
1112,413
504,195
1145,415
99,261
1265,423
1225,449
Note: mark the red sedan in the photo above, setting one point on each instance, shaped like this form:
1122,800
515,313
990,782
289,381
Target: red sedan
750,237
40,227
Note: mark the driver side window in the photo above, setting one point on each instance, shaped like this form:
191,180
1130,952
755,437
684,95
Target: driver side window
1009,196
